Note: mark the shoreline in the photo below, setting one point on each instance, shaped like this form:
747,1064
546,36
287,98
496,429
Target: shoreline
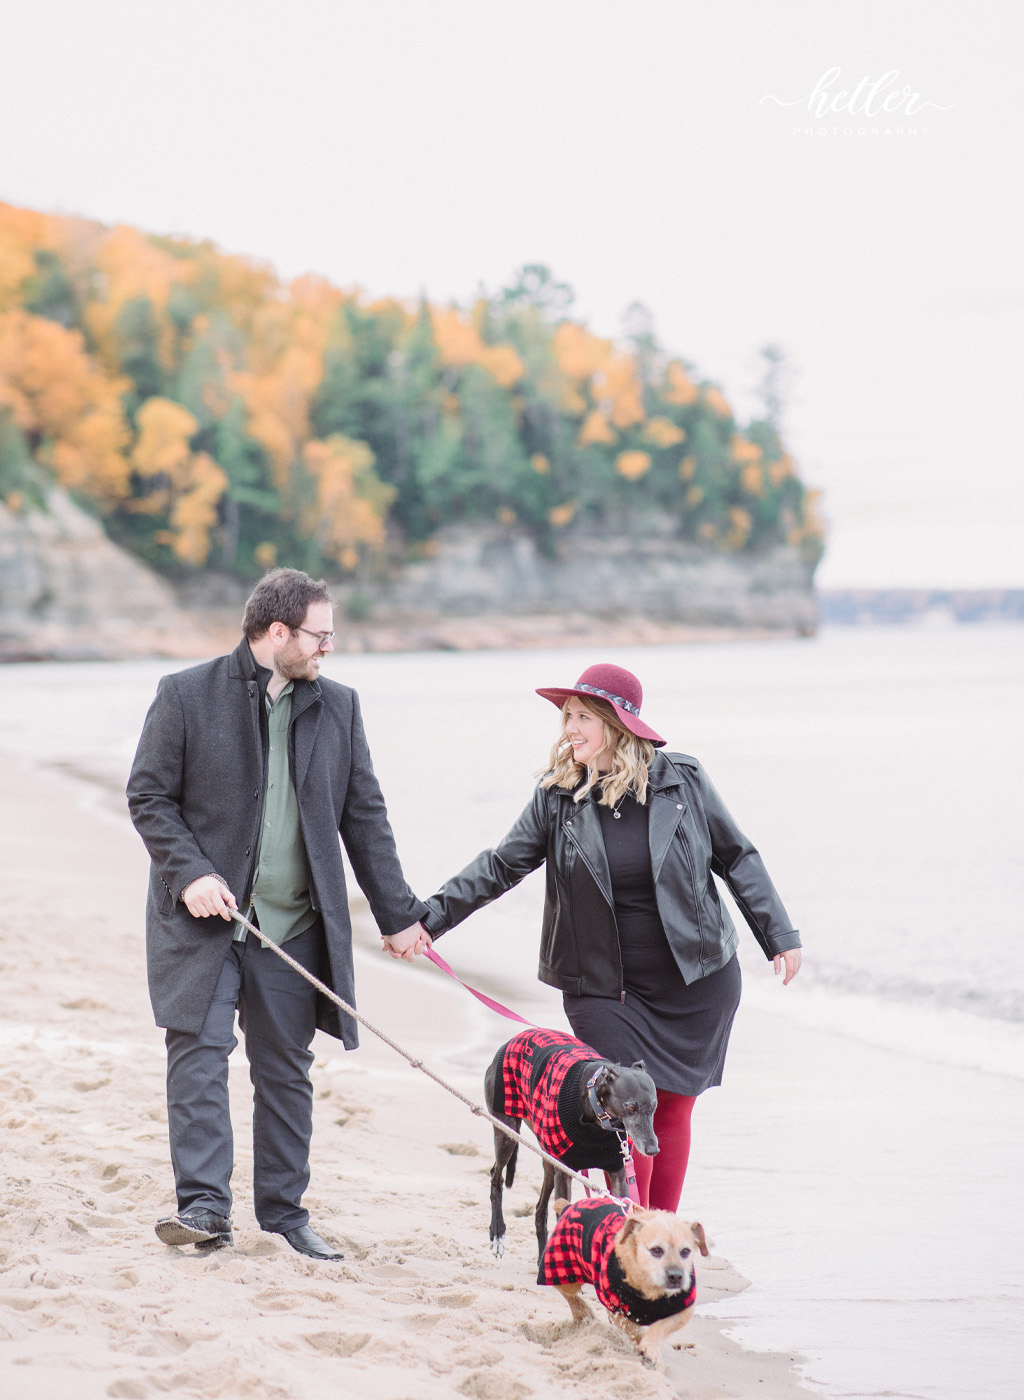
90,1301
199,635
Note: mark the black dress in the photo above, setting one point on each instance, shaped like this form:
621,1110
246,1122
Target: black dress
680,1032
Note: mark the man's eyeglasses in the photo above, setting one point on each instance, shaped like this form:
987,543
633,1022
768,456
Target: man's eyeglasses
322,637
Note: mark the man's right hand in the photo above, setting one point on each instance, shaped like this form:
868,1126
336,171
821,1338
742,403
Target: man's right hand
207,896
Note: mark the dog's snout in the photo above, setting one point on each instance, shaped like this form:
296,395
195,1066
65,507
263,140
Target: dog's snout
673,1278
644,1140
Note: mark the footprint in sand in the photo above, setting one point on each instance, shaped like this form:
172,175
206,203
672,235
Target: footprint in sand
342,1344
493,1385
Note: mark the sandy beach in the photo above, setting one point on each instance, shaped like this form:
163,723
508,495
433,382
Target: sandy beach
92,1305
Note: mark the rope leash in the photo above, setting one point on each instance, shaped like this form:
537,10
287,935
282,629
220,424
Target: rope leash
478,1109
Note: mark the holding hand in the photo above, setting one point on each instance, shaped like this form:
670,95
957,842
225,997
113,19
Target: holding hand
408,942
207,896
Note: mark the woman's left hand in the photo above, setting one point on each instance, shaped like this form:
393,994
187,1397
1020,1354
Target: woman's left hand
792,958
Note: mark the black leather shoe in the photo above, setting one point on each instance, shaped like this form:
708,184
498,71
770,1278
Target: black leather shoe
308,1242
199,1227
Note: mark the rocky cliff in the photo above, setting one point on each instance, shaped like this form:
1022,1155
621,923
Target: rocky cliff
487,571
67,591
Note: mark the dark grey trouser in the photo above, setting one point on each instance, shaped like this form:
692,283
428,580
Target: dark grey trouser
277,1014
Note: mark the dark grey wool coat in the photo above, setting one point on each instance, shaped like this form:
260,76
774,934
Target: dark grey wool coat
196,798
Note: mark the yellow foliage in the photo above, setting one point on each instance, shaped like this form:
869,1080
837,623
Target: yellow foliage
457,343
194,513
779,471
162,446
579,354
680,387
596,429
662,432
561,515
265,554
506,516
632,465
503,364
695,495
752,480
540,464
21,232
707,530
350,501
717,402
131,265
688,468
194,481
620,395
744,451
67,408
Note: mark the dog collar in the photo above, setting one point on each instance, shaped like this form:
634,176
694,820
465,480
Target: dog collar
641,1310
610,1124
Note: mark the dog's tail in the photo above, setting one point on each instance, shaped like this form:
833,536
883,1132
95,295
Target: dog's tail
560,1205
510,1170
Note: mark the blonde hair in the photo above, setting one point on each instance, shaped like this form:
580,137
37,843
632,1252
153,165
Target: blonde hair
630,757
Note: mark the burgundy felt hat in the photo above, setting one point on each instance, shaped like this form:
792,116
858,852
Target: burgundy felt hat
620,688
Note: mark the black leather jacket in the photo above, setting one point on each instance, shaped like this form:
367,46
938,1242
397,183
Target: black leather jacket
692,838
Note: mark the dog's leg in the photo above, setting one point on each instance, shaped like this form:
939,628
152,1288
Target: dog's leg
578,1307
505,1152
555,1183
658,1334
617,1184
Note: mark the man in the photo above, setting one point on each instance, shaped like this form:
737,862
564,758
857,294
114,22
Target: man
247,769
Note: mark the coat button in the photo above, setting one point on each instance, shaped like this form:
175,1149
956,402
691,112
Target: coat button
247,849
256,794
679,806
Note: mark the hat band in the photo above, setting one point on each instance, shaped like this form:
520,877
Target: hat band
607,695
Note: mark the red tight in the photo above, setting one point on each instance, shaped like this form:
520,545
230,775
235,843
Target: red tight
659,1180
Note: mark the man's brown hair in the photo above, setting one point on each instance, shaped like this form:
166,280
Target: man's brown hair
282,595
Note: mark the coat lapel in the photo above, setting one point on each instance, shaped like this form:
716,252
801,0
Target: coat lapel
666,812
307,707
583,828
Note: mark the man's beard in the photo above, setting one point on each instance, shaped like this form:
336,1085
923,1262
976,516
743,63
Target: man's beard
295,666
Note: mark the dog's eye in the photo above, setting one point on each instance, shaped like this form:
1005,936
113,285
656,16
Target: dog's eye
656,1251
632,1108
685,1253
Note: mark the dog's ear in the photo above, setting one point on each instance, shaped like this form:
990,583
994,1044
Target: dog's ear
636,1217
698,1234
639,1065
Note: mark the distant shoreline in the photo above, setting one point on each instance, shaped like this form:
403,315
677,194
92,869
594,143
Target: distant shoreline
212,631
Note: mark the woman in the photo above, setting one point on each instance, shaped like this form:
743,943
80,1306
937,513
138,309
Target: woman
634,934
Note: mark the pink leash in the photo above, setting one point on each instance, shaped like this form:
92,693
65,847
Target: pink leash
492,1005
489,1002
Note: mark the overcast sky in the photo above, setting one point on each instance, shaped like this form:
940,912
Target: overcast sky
671,153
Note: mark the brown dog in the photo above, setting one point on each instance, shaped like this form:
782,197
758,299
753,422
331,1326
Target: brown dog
641,1263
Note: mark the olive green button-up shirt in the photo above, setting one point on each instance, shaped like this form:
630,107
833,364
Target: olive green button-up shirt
280,892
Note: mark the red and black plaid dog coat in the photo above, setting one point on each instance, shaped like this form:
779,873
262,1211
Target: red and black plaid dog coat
581,1250
543,1074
